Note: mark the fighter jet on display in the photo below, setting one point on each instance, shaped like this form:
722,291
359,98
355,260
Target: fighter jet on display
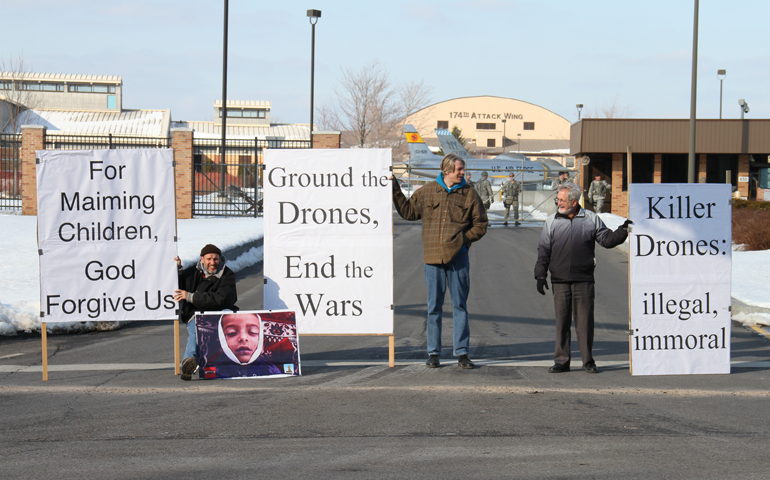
499,168
424,163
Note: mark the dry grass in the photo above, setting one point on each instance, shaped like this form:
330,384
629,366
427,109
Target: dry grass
751,227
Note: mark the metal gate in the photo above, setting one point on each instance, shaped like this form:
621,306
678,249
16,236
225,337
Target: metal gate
231,188
10,172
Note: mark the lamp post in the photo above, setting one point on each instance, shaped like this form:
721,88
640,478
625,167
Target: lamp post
518,142
693,97
579,107
503,135
314,15
224,105
721,76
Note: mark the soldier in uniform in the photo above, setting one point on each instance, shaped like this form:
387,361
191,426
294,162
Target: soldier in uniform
468,180
511,190
596,192
563,178
484,189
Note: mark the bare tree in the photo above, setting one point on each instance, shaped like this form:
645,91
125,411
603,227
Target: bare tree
15,99
368,105
611,109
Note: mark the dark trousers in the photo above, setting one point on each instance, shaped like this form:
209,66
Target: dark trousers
574,300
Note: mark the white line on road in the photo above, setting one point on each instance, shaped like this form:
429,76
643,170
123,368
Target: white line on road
10,356
320,363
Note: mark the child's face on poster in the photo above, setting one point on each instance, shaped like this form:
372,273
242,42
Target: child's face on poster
242,335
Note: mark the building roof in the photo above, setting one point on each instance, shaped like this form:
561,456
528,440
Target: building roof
144,123
712,136
61,77
243,103
212,130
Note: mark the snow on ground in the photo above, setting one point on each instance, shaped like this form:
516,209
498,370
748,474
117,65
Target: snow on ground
20,287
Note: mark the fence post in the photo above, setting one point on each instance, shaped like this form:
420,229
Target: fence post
184,176
32,139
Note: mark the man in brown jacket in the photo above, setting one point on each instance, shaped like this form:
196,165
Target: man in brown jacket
453,217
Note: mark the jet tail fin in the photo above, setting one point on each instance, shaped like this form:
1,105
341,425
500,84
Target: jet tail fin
418,150
450,144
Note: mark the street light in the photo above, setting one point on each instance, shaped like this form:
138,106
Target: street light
721,76
579,107
314,16
503,135
224,104
744,107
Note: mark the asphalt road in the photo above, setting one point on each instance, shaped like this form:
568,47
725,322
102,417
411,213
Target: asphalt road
113,408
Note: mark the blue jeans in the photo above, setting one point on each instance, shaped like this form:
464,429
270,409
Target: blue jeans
191,350
455,275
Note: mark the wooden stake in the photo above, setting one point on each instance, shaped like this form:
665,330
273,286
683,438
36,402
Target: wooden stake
44,338
176,347
391,350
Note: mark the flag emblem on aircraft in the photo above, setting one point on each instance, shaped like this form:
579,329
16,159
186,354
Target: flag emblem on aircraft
412,137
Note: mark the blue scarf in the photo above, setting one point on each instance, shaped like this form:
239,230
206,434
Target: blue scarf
440,180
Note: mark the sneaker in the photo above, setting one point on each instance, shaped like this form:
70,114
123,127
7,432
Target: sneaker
433,362
189,366
591,368
465,362
558,368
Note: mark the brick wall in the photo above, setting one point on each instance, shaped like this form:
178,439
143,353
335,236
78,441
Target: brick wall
32,139
182,144
619,197
326,139
702,168
657,168
743,171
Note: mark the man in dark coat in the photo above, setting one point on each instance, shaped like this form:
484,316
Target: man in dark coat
210,286
566,250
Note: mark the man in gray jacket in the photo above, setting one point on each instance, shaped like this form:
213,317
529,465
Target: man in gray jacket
566,249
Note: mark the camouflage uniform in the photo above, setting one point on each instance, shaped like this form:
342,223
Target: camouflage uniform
596,192
484,189
511,190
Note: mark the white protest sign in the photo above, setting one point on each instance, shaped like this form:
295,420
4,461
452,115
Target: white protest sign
680,272
106,234
329,239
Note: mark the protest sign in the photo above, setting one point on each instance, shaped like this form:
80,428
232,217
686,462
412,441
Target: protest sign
247,344
679,280
106,235
329,239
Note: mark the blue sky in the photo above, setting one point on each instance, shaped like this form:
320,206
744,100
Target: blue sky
551,53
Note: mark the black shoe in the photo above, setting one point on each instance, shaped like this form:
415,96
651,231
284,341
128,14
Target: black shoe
591,368
505,223
465,362
517,223
433,362
189,366
558,368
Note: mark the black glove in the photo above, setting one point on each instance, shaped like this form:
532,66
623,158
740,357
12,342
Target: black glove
541,282
626,224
